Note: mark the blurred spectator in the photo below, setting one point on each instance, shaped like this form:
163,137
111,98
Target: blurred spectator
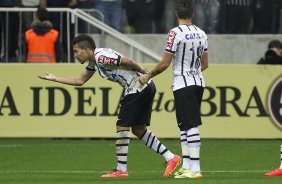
59,21
112,11
266,16
206,16
235,16
42,40
169,14
140,15
89,7
159,24
27,17
274,53
9,35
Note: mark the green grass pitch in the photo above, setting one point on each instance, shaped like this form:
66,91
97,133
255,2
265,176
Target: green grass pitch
29,161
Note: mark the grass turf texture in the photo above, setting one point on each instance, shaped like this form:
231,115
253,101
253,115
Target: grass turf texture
83,161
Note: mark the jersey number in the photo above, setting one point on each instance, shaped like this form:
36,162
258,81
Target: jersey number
199,51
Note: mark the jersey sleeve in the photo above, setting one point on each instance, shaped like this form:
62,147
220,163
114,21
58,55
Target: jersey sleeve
90,68
108,57
171,42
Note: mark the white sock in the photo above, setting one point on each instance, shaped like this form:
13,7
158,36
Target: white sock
122,149
280,157
194,143
185,150
153,143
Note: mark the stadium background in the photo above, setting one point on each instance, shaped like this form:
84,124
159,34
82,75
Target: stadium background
47,139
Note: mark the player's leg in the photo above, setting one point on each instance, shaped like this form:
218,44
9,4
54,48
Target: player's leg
152,142
143,103
193,146
185,154
194,143
187,103
276,171
143,109
280,157
122,143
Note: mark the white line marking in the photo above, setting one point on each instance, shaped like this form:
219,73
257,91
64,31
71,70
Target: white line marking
11,145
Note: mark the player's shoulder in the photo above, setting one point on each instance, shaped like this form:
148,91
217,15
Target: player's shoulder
102,51
175,30
200,30
98,50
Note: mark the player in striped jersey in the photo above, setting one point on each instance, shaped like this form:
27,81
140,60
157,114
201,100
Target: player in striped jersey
136,105
276,171
186,48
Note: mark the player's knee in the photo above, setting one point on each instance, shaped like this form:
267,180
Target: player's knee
138,131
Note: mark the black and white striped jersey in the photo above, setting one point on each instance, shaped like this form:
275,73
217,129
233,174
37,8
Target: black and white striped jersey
107,64
187,43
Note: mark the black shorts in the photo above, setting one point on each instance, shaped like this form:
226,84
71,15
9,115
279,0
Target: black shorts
188,104
136,109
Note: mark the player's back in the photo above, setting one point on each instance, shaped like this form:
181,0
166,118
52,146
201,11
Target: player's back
191,43
187,43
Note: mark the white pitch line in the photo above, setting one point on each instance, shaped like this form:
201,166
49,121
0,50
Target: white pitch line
11,145
82,172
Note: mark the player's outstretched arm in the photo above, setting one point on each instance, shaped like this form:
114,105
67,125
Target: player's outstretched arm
159,68
75,81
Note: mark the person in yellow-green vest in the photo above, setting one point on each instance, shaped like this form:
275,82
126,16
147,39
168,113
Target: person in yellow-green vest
42,41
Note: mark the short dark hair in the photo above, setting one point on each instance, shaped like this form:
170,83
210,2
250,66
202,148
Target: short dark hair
84,41
275,44
184,9
42,14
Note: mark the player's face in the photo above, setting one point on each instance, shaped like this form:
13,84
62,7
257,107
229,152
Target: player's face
80,54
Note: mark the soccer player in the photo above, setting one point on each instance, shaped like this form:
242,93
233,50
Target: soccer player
136,105
186,48
277,171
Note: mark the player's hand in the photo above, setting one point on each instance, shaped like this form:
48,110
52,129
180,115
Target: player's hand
144,70
144,79
48,76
